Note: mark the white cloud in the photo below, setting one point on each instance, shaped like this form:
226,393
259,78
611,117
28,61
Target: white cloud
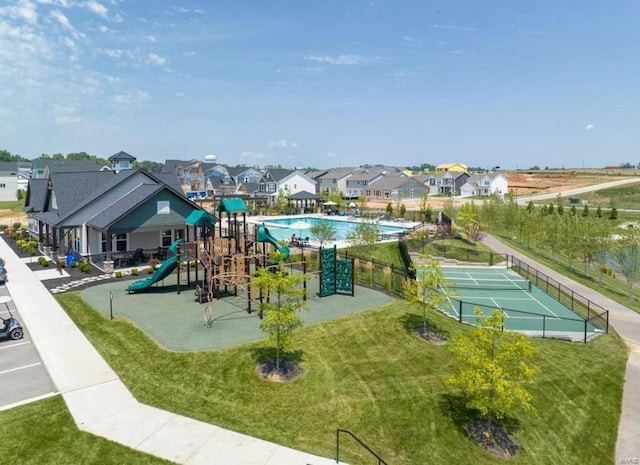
457,52
152,39
97,8
455,28
283,144
255,155
24,10
331,155
136,97
337,60
156,59
589,127
407,39
179,94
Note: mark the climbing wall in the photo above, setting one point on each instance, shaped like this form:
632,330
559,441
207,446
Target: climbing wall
336,276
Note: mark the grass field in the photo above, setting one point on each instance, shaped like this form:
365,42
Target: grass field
368,373
44,433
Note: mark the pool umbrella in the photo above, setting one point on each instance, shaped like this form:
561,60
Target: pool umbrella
352,205
299,225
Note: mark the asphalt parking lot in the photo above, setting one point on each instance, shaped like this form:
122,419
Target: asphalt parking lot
23,376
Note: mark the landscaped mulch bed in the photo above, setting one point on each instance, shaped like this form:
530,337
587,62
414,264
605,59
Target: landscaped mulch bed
75,274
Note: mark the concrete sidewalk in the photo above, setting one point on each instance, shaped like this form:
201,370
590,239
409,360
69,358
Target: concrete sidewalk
627,323
101,404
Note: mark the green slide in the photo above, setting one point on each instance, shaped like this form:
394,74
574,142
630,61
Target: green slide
265,236
165,270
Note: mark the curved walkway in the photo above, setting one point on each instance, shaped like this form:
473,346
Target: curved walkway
102,405
627,323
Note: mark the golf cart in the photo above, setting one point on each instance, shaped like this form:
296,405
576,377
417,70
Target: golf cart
11,328
3,272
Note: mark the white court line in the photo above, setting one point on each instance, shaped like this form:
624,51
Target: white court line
20,368
449,300
15,345
545,307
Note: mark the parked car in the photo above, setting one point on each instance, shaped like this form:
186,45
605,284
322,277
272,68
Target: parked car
3,272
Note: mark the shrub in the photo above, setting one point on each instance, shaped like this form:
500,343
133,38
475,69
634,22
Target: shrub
43,261
150,270
84,267
118,274
134,272
3,227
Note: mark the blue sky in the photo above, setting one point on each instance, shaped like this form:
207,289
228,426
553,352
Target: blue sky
331,83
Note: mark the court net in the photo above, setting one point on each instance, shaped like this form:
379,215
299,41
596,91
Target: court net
491,284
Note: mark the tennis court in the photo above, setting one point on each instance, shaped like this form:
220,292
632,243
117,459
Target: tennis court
526,308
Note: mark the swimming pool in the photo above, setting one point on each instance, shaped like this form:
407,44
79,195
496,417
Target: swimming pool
281,230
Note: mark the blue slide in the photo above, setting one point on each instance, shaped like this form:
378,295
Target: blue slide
165,270
265,236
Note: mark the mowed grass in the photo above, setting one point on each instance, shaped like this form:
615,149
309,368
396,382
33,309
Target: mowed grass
368,373
44,433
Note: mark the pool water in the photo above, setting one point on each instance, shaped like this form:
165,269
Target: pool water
279,227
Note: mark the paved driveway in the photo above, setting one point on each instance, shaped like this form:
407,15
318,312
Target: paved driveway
23,377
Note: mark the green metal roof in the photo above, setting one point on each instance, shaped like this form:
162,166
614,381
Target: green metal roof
200,217
232,205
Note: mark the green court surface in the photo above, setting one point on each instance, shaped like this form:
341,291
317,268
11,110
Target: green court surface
531,312
176,322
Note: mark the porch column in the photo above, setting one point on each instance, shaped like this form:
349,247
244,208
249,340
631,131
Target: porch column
108,262
84,242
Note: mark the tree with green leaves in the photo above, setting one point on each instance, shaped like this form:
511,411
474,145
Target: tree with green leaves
324,232
599,212
585,210
364,235
426,290
403,210
626,254
494,369
281,312
389,209
613,214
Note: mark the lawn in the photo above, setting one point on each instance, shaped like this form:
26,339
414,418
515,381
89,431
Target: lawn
369,374
44,433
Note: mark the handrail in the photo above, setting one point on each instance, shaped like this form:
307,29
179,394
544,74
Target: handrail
371,451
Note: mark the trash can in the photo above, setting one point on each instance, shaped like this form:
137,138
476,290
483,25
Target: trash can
70,259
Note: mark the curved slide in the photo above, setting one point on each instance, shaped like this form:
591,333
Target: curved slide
265,236
165,270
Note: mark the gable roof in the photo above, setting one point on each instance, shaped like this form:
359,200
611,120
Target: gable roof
121,156
35,199
200,217
278,174
69,166
232,205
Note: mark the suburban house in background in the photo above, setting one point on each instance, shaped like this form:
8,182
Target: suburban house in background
332,181
11,179
444,183
449,167
484,185
102,214
395,189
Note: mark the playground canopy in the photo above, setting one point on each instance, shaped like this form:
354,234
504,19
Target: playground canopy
200,217
232,205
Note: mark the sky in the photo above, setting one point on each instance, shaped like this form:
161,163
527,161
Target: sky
297,83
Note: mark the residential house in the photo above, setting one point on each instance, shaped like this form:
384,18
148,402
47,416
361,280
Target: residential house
96,214
332,181
8,180
288,181
395,189
444,183
484,185
362,177
447,167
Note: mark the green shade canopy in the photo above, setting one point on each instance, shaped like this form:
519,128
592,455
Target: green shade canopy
200,218
232,205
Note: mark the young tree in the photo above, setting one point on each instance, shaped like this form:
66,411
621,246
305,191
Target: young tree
494,370
626,253
281,313
599,212
389,209
364,235
585,210
426,289
613,214
324,232
403,210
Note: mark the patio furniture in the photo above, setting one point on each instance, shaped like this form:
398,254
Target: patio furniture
161,254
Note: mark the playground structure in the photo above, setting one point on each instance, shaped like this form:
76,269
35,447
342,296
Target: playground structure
221,254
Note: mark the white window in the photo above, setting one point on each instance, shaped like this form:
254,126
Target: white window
164,207
166,238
